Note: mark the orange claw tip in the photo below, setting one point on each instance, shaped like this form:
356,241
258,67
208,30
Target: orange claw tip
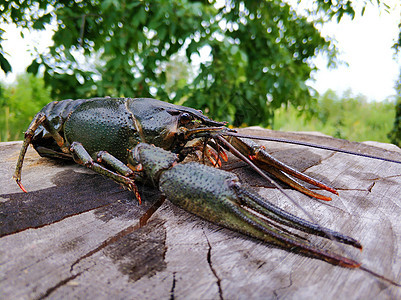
21,186
138,197
357,245
214,161
320,196
331,190
349,263
324,198
224,156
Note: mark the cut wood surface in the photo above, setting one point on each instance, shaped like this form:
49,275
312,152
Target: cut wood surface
79,235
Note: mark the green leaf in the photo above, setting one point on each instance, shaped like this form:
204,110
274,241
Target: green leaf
108,4
162,32
141,16
134,4
4,64
40,23
33,68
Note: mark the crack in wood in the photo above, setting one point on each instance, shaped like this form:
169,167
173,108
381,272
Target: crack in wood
53,222
261,265
209,261
319,162
172,297
275,292
385,177
142,222
141,253
371,187
58,285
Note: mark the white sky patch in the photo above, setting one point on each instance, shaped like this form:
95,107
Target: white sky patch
364,43
18,50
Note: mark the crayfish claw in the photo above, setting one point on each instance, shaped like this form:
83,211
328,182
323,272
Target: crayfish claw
252,200
132,187
219,197
213,156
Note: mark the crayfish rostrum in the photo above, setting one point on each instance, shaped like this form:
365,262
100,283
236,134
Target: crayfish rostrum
128,139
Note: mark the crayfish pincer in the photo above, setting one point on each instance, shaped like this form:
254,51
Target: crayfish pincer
220,198
129,139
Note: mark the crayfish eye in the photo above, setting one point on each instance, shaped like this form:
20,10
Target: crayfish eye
185,118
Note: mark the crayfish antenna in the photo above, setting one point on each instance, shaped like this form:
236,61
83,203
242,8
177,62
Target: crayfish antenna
381,277
307,144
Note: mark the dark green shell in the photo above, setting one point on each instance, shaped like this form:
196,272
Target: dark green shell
103,124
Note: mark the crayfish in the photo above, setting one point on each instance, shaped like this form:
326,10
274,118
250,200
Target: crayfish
130,139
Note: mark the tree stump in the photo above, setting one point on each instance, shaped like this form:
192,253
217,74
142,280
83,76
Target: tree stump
79,235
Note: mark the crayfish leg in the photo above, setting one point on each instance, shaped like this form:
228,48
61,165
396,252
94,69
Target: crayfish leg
36,122
82,157
116,164
278,169
292,183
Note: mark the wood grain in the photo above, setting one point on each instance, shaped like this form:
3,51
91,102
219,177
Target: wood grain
76,234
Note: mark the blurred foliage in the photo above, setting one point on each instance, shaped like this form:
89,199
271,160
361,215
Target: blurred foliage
260,51
395,133
346,117
19,102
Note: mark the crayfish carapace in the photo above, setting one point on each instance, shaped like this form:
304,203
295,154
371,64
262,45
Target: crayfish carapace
127,139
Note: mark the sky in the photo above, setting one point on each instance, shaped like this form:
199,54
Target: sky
364,44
